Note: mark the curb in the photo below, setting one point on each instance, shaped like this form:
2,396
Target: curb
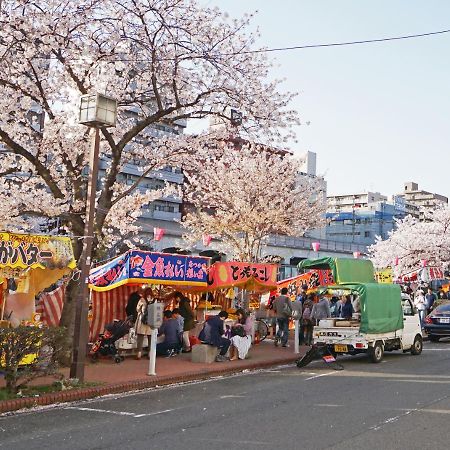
117,388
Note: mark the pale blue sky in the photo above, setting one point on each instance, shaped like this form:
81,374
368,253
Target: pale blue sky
379,113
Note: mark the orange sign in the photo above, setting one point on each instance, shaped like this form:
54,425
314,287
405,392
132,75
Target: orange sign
312,280
250,276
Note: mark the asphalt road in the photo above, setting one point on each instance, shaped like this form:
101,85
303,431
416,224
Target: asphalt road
401,403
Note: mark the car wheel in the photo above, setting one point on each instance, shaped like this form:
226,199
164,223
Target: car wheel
417,346
433,338
376,352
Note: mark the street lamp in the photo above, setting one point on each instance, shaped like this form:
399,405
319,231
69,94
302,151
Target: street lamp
96,111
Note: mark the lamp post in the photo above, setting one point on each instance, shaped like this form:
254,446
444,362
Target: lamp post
96,111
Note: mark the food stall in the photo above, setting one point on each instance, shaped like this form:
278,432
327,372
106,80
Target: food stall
29,264
113,282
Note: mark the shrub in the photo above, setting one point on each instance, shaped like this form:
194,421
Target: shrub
30,352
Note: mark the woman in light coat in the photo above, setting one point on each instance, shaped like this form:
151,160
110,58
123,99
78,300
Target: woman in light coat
421,305
142,329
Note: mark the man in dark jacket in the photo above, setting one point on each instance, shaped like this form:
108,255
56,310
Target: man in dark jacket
172,336
282,306
212,334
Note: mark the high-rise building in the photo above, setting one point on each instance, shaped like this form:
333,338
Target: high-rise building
416,198
359,218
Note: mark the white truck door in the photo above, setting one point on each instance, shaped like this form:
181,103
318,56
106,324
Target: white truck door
411,324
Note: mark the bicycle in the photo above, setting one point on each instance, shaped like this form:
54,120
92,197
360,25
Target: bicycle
261,329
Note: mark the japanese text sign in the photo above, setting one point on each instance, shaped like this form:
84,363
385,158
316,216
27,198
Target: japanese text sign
24,251
247,275
137,266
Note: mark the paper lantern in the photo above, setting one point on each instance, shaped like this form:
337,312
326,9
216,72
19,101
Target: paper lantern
424,262
158,233
356,255
396,261
315,246
206,239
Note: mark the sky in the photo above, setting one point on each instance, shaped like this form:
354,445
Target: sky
379,113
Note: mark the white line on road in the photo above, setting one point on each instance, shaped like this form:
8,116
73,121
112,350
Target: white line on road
436,350
321,375
434,411
120,413
328,405
231,396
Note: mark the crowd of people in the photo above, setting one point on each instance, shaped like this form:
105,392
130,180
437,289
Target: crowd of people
174,332
309,309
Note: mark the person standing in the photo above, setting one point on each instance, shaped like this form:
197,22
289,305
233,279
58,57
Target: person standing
130,309
307,321
141,326
347,308
430,298
421,305
189,323
283,310
321,310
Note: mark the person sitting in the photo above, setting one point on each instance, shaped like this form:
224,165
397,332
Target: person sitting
212,334
245,320
240,342
241,336
170,328
179,318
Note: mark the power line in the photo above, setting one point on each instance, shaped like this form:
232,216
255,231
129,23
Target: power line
272,50
336,44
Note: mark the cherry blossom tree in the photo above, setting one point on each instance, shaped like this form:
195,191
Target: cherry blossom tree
165,61
248,194
414,240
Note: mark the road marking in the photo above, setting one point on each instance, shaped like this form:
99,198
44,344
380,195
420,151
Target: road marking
120,413
229,441
436,350
421,381
434,411
326,405
321,375
108,411
231,396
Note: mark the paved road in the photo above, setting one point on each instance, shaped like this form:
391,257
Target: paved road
401,403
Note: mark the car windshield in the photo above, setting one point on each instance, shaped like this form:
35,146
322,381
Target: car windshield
443,309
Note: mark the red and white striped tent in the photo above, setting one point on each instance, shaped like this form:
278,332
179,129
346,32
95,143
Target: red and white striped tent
104,307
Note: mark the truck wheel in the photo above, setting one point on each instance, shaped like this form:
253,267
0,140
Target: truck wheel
417,346
376,352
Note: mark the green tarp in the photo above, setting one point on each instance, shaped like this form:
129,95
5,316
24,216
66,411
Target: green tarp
345,270
381,306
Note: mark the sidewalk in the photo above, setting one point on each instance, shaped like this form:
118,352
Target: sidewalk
132,374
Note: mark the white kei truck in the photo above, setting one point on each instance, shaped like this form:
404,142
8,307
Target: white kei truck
386,321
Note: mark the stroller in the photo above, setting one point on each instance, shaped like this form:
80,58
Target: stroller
105,344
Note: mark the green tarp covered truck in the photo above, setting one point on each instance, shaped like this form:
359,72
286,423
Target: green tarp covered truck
384,321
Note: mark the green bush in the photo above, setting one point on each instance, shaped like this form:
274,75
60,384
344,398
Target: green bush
30,352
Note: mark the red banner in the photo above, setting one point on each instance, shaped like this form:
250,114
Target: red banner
248,276
311,279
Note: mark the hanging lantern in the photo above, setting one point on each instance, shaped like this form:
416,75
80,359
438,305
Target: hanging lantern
315,246
158,233
206,240
424,262
356,255
396,261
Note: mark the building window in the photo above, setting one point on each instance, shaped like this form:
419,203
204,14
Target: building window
366,234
